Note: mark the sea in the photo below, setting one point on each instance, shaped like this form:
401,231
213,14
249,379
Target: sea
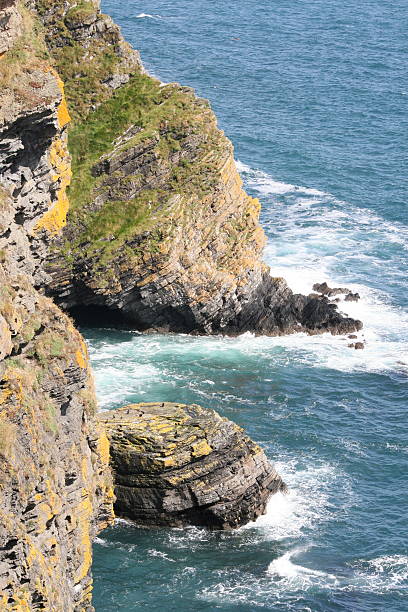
314,96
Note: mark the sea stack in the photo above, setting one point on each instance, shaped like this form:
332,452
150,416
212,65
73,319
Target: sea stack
177,465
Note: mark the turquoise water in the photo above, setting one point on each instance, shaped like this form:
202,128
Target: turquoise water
314,97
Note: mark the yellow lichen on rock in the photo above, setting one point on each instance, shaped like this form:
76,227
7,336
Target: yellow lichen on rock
103,447
201,448
62,113
85,511
80,359
55,485
56,217
201,469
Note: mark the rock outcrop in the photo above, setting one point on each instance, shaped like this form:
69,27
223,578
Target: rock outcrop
178,465
34,160
160,234
55,483
88,50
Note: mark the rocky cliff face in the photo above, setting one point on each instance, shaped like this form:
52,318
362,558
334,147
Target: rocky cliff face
34,161
55,484
160,233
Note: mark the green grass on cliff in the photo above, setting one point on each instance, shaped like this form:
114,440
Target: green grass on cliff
27,53
93,137
82,66
165,115
79,13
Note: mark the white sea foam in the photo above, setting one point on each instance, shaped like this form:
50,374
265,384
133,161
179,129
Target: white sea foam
379,575
148,16
382,574
297,576
122,521
315,239
265,184
159,553
286,581
306,506
241,167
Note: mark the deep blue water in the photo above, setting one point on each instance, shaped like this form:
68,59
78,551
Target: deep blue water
314,97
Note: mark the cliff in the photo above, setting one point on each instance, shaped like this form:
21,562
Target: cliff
160,233
55,483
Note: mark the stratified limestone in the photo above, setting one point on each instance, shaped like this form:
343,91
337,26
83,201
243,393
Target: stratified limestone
160,231
34,160
55,484
56,489
181,465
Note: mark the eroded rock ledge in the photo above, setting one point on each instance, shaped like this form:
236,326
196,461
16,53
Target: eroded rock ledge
178,465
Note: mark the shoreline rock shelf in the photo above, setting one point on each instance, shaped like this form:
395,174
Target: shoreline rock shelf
177,465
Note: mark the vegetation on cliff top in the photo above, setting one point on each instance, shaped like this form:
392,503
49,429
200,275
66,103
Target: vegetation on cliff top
162,118
178,129
28,54
149,164
84,65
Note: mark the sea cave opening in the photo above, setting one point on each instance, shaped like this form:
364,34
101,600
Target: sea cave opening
99,316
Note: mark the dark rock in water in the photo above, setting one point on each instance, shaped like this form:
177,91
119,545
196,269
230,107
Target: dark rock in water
324,289
338,291
178,465
274,310
352,297
321,288
352,336
356,345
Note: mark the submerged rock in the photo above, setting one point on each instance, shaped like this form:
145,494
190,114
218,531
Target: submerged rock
178,465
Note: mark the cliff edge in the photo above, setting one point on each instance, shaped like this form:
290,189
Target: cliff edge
56,488
160,233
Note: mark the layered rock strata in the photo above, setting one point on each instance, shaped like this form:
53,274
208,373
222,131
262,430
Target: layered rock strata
178,465
55,483
34,161
161,234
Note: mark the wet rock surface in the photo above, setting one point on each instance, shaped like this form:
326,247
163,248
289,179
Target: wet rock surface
323,290
178,465
357,345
